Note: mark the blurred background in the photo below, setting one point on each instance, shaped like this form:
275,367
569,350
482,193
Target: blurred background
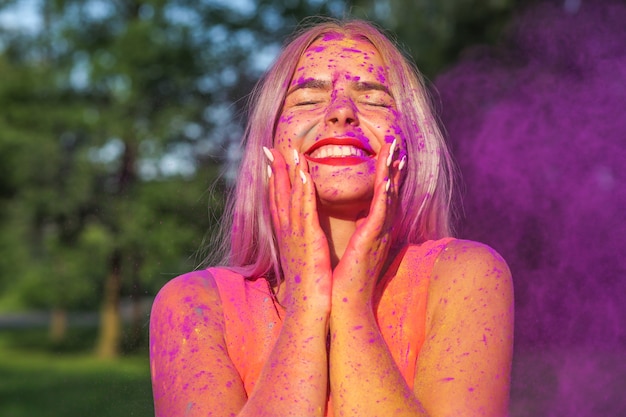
120,123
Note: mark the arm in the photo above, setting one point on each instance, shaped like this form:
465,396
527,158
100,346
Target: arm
294,381
192,374
464,366
364,378
465,363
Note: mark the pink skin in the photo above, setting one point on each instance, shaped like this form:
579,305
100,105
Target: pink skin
337,96
334,103
310,282
304,253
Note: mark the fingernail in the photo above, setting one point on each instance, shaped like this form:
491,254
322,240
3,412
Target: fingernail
296,158
268,154
269,171
388,184
303,177
402,163
391,151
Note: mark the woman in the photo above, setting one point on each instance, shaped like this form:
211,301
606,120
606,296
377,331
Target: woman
342,292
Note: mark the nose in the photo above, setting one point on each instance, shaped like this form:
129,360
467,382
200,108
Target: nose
342,112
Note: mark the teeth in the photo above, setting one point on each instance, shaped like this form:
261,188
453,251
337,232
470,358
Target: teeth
337,151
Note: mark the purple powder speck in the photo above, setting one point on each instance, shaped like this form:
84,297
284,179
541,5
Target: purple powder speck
332,36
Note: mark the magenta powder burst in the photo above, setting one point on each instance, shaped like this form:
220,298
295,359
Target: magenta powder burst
539,131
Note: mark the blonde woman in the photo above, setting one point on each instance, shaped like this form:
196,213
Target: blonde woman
342,291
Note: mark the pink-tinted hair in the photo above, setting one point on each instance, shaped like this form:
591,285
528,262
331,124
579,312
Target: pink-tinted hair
248,240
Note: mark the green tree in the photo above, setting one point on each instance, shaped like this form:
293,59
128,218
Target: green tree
435,33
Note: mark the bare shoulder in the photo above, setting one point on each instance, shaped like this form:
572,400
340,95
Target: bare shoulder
469,278
185,304
470,266
192,373
469,327
470,255
198,286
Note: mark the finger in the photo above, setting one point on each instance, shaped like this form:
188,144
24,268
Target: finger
295,212
392,187
281,188
384,187
309,200
395,176
271,189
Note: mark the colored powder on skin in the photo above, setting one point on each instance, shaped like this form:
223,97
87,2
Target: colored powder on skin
538,132
332,36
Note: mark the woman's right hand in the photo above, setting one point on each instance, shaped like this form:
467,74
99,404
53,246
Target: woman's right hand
304,252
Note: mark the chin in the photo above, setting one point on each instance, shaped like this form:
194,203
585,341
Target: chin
342,204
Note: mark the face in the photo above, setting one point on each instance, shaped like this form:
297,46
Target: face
338,113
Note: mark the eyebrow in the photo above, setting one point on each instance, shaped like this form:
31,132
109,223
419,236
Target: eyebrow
326,85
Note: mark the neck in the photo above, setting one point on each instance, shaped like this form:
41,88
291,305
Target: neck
338,231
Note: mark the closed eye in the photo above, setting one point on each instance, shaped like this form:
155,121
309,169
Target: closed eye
306,103
375,104
377,99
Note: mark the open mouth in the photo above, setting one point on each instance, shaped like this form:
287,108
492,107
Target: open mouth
339,151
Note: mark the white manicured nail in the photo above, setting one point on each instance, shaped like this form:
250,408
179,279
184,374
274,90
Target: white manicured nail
268,154
388,185
402,163
296,158
269,171
303,177
391,151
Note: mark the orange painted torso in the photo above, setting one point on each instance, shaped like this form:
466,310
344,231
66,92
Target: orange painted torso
253,318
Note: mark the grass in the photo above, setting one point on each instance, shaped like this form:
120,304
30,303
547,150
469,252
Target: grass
38,378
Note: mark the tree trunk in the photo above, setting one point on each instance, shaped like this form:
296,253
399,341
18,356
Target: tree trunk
137,317
110,317
58,325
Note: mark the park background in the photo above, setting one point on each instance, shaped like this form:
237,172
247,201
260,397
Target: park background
119,130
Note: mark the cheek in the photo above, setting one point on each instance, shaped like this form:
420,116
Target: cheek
292,129
284,133
394,131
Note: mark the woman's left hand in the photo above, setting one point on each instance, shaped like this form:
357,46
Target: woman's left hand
356,274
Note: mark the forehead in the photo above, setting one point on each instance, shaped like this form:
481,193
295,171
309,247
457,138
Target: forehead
334,53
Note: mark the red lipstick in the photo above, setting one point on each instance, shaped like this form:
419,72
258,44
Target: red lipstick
365,154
